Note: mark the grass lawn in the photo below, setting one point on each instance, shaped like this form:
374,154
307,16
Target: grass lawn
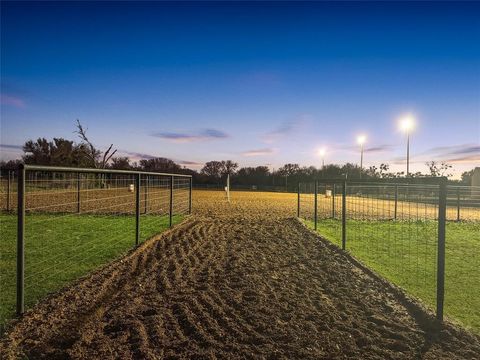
62,247
405,253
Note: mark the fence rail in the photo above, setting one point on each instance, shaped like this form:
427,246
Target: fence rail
423,236
69,221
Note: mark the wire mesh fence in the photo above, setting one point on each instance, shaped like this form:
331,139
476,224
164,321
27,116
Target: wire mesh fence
70,221
397,229
8,189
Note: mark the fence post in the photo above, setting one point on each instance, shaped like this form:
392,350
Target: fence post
315,212
298,200
137,209
333,201
146,193
442,215
78,192
21,240
344,215
396,203
8,189
171,201
190,196
458,203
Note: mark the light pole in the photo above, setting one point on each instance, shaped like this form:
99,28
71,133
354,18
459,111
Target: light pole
361,141
322,152
407,124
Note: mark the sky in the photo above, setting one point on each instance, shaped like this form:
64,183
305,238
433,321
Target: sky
257,83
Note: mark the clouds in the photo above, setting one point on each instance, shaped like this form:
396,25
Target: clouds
258,152
190,163
202,135
135,156
11,147
382,148
378,149
455,154
462,154
11,100
10,152
284,129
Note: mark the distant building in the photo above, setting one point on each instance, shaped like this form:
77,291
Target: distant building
476,182
476,177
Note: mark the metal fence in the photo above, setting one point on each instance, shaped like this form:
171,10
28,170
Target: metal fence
422,236
57,224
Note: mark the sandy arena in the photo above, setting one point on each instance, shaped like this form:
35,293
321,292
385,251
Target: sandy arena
237,281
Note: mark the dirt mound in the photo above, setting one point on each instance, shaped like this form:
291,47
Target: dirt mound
236,281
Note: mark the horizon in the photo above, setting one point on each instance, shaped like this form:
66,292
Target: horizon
262,84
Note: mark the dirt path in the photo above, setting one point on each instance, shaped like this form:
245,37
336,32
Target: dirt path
236,281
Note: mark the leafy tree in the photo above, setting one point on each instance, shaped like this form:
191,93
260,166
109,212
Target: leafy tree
10,164
120,163
253,176
59,152
289,169
228,167
213,170
467,177
160,164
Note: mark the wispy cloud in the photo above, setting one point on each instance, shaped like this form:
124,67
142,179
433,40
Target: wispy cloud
258,152
286,128
453,150
373,149
11,100
202,135
378,149
190,163
11,147
455,154
465,159
135,156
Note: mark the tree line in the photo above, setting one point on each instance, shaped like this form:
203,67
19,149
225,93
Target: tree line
63,152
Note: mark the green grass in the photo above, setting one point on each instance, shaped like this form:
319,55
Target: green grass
405,253
62,247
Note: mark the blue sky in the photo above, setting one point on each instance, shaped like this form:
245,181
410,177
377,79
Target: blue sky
259,83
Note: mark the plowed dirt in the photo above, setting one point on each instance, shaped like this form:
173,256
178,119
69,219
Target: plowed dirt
237,281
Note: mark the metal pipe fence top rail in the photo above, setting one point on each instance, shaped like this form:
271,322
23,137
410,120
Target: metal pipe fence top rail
95,170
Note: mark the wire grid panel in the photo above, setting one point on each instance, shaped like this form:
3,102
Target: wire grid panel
463,203
394,230
181,196
8,190
73,224
306,201
329,211
154,205
462,261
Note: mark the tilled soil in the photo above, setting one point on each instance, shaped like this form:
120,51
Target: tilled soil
245,280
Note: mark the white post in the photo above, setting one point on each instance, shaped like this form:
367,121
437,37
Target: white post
228,187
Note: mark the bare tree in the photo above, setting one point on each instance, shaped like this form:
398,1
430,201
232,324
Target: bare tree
438,169
95,156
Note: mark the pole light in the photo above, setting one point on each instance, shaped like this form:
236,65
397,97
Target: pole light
361,141
407,124
322,153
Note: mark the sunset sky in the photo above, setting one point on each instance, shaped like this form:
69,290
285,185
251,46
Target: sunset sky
258,83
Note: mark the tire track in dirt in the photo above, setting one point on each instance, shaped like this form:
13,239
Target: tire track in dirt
239,280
